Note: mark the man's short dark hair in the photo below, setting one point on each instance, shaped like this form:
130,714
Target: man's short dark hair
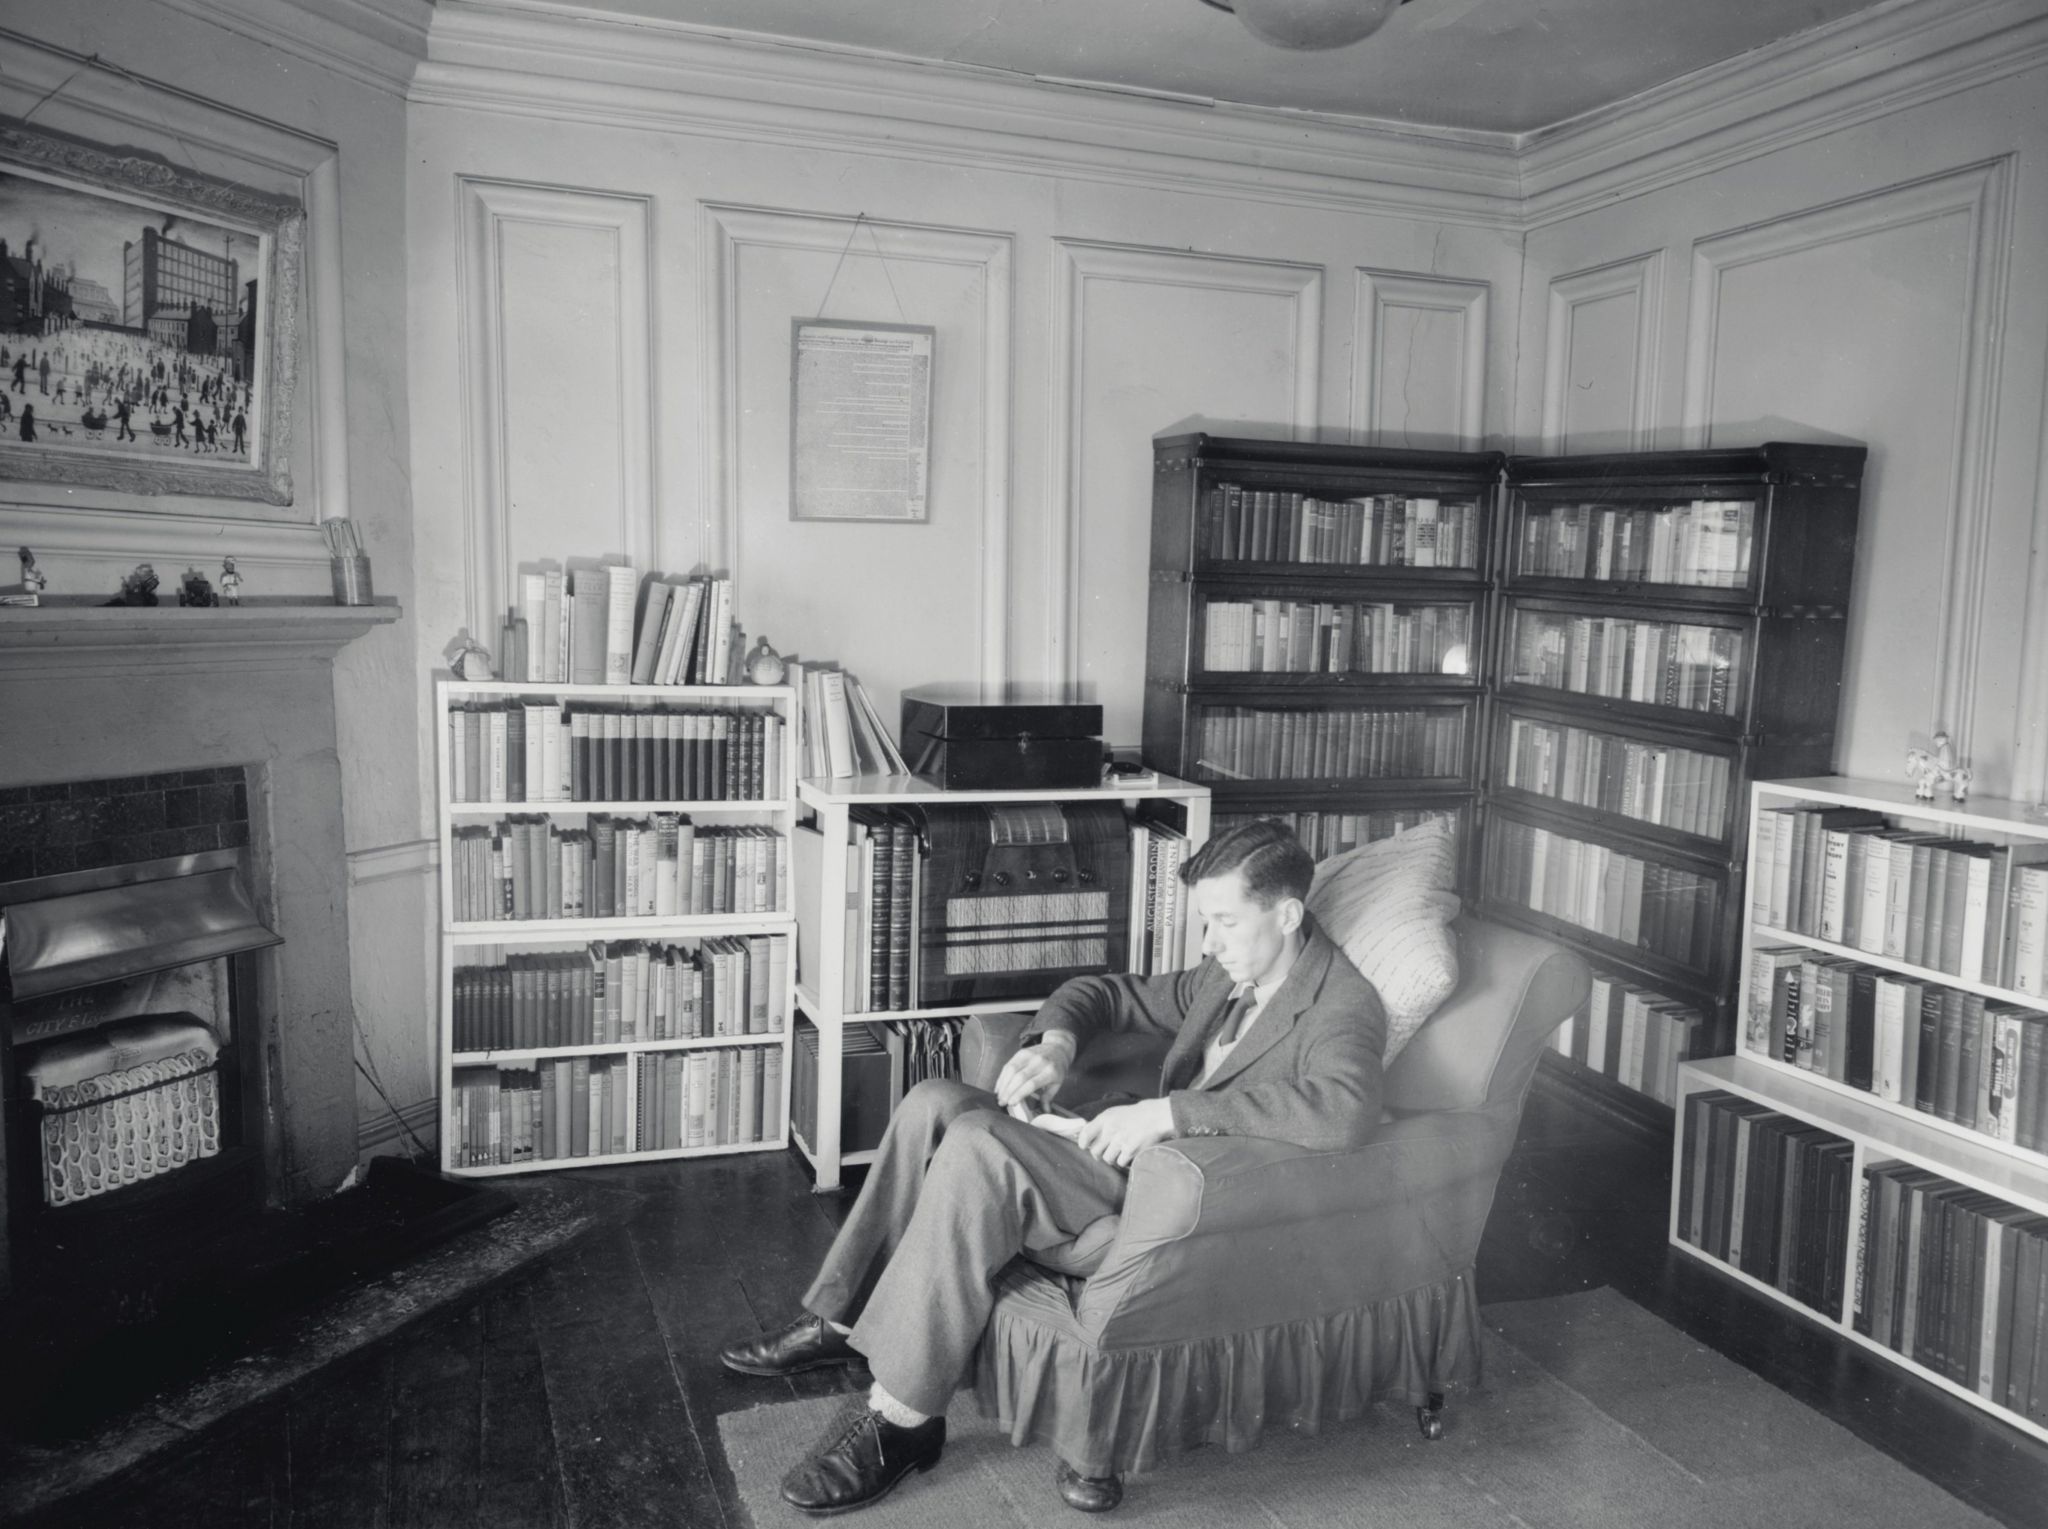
1272,860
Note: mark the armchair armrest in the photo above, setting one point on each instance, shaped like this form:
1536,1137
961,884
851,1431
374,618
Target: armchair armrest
1219,1234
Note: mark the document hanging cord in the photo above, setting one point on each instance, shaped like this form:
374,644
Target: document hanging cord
859,220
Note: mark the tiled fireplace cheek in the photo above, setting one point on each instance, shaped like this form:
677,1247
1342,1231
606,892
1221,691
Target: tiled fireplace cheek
86,824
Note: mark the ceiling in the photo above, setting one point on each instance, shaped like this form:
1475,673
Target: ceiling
1498,65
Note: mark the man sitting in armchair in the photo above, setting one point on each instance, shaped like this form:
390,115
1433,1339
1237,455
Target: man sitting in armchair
1274,1035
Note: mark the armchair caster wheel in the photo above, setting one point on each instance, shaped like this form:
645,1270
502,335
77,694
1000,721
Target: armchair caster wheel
1430,1418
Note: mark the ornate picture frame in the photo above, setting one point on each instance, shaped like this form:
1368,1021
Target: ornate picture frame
150,316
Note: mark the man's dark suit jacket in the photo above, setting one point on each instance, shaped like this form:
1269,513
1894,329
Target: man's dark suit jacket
1307,1070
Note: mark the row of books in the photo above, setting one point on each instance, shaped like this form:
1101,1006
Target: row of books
1255,743
1634,1035
1657,663
542,751
579,627
1159,903
1957,1281
1767,1194
570,1107
1852,877
1376,530
839,730
1705,543
1664,909
666,867
1651,782
1947,1053
884,887
1324,834
628,990
1321,637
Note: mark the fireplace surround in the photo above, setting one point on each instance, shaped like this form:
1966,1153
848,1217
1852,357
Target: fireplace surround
199,701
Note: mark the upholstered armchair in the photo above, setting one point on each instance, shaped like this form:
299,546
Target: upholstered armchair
1251,1285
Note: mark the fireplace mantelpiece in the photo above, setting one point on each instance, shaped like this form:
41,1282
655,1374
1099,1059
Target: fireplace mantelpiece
88,692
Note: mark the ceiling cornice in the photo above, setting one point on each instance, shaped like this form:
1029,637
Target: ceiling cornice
573,64
373,42
1865,66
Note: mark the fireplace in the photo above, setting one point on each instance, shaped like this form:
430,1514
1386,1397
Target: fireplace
124,1083
223,724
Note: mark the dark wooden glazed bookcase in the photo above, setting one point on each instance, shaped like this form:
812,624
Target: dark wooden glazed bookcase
1643,635
1317,619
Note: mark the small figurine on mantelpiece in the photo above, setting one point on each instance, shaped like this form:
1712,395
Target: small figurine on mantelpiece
230,583
30,590
138,588
194,589
1936,770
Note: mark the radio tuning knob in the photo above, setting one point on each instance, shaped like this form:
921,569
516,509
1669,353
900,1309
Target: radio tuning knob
1059,874
1001,878
1084,875
972,878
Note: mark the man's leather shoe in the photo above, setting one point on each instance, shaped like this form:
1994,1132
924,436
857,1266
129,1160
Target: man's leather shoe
1089,1494
860,1461
808,1343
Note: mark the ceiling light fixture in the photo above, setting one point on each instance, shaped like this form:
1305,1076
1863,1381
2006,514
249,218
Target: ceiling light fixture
1310,24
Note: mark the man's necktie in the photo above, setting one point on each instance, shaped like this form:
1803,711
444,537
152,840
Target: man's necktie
1233,1017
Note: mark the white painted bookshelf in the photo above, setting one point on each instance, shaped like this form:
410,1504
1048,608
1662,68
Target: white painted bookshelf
763,813
1969,1331
820,990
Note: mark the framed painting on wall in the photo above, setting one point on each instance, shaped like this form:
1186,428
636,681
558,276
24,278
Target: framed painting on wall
149,323
860,420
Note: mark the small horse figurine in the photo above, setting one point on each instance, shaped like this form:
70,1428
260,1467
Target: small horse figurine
1937,770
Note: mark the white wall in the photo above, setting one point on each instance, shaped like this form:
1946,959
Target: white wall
1885,281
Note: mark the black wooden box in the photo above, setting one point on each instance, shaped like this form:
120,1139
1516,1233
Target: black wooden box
1002,737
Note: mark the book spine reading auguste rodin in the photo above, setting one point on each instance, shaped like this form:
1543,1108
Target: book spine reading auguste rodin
622,991
1766,1194
599,625
575,1107
1260,743
1368,530
1634,1035
535,868
544,751
1274,636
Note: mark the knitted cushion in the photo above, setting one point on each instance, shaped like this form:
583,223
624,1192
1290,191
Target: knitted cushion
1388,905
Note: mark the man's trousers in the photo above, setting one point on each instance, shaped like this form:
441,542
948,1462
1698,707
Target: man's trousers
957,1190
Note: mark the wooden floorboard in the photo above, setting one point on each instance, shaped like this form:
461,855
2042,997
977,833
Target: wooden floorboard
436,1423
340,1444
627,1451
519,1484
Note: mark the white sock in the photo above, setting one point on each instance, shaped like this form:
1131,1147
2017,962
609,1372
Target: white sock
893,1410
838,1327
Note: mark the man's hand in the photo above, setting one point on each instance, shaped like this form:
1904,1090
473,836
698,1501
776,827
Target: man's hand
1035,1070
1118,1135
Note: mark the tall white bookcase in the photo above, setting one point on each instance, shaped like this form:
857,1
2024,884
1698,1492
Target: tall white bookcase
470,942
1880,1131
819,995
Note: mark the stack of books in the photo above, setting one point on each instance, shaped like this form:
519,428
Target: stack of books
1972,1061
1848,876
1659,783
1957,1281
1634,1035
664,867
839,731
1272,743
1659,908
1329,637
1159,903
596,625
1684,664
628,990
547,751
1767,1194
1705,542
1373,531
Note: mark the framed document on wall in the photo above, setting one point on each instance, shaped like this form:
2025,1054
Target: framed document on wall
860,420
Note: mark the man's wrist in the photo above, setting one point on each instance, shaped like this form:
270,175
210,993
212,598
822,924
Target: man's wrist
1063,1041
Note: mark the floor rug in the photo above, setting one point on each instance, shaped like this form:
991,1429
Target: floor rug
1594,1415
